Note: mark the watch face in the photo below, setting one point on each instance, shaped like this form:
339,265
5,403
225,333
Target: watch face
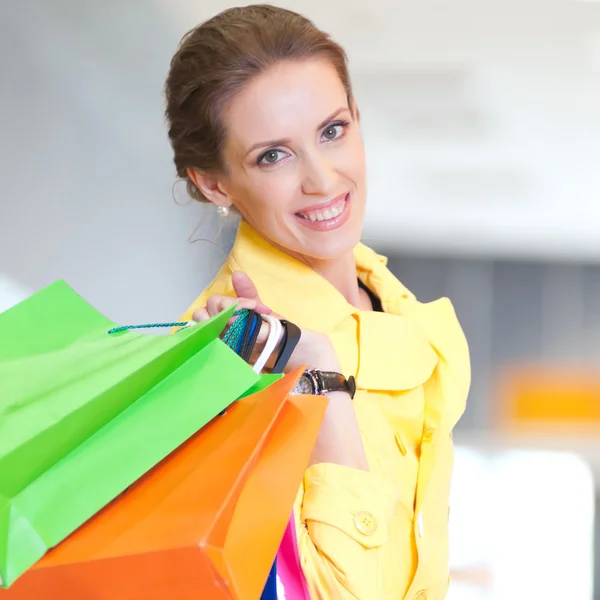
304,385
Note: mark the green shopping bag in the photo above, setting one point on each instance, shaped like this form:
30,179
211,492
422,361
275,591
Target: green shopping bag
85,413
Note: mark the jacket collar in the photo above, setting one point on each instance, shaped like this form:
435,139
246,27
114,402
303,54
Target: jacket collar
281,279
298,293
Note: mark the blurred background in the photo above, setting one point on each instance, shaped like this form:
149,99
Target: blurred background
482,126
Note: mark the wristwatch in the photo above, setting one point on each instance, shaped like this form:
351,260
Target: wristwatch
318,383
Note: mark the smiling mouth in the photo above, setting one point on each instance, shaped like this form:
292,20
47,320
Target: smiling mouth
329,213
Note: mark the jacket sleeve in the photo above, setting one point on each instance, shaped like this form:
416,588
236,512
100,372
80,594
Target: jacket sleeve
343,520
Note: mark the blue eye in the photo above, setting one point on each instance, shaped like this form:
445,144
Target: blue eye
270,157
334,130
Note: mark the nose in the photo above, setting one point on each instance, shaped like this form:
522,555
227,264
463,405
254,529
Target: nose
319,176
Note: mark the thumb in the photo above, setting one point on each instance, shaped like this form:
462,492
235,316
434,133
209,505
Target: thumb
245,288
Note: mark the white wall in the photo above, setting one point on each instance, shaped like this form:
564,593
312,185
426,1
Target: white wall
86,170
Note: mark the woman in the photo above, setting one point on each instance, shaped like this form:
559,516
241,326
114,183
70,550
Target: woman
262,120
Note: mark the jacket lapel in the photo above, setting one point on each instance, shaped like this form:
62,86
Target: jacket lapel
393,353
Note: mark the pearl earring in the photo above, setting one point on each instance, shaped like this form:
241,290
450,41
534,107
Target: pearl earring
223,210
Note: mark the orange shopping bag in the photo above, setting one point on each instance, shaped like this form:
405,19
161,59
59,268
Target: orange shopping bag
205,524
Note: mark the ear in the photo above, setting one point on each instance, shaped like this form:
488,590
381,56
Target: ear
211,187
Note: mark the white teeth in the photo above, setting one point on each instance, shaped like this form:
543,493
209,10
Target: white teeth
325,215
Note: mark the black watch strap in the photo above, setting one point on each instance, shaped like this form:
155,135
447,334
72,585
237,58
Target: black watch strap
325,382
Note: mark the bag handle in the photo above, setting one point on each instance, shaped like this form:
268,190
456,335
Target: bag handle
122,328
179,325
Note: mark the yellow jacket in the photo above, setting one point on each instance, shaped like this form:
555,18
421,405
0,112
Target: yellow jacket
381,534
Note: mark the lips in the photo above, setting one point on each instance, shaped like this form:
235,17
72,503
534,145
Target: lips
325,212
328,216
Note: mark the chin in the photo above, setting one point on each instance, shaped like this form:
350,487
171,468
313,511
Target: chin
332,245
318,245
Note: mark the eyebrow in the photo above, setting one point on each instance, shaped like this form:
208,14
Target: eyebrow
285,141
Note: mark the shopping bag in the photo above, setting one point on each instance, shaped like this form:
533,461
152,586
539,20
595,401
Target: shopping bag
290,579
269,592
205,523
286,580
83,414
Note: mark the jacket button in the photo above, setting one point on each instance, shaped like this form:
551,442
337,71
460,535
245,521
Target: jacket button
428,434
422,595
365,522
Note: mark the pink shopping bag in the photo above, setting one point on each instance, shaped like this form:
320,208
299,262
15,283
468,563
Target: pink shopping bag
291,584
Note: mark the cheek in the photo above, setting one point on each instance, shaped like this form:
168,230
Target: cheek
268,193
276,189
356,162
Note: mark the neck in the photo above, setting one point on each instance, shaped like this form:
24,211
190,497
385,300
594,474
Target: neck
340,273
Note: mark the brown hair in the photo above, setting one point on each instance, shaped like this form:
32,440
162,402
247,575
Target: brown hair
216,59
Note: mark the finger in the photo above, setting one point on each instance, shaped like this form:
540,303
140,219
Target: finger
241,304
214,303
200,315
262,309
217,304
245,288
226,302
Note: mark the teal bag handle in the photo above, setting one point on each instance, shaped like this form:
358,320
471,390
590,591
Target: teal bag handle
231,338
180,324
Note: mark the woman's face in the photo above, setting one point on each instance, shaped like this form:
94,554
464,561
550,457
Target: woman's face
295,160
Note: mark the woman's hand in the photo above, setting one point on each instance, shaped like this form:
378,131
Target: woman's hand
339,440
314,350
